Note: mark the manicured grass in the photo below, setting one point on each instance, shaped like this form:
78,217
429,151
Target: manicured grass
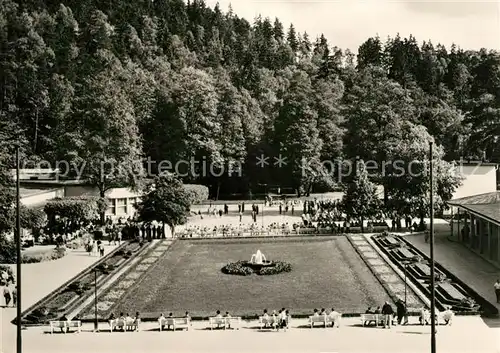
327,272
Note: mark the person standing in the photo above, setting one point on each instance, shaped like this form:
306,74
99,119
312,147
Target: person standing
6,295
401,312
388,312
497,290
241,214
14,296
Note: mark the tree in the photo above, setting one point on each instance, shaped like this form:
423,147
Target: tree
361,200
407,179
167,201
296,132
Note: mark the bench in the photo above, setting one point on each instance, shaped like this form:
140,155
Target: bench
367,318
218,321
442,317
175,322
271,321
233,322
130,325
65,326
321,319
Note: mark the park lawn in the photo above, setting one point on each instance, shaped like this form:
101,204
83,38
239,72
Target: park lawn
326,272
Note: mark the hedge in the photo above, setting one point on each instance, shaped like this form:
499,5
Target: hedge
197,193
33,219
53,254
84,208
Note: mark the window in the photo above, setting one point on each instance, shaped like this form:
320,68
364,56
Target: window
121,206
111,207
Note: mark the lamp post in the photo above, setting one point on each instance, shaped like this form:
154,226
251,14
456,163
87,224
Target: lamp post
18,260
433,294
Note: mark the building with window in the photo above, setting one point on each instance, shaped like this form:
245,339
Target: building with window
477,224
38,186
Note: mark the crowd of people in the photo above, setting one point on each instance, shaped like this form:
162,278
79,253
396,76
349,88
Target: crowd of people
401,314
8,288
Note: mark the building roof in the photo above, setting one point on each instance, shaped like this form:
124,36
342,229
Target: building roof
475,163
484,205
481,199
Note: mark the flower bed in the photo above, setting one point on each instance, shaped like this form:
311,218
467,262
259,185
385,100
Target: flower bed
56,306
244,268
124,283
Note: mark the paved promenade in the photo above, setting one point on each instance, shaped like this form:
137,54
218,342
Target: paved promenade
469,267
466,335
38,280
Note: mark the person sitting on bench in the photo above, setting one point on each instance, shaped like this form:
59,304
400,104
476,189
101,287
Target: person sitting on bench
64,319
161,320
228,321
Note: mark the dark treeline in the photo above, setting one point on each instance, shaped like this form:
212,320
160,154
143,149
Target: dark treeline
123,80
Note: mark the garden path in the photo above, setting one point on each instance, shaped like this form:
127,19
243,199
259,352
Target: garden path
350,337
38,280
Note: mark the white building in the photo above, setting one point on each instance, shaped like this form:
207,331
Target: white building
40,185
479,178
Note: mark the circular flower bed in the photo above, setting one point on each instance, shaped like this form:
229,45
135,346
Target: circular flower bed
244,268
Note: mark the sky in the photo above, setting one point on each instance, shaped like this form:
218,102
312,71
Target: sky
347,24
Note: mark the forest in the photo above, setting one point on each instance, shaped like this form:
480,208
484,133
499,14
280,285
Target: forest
166,80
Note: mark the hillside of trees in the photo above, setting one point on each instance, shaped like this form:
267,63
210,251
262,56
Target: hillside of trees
87,81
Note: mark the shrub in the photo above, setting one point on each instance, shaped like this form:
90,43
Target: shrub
54,254
32,218
197,193
105,268
237,268
77,209
78,287
243,268
8,252
279,267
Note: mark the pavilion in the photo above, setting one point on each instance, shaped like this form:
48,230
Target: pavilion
478,224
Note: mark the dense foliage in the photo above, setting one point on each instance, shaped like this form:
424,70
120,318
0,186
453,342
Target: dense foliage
76,209
166,200
103,85
197,193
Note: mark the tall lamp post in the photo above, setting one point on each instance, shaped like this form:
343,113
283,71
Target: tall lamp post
406,263
19,345
433,294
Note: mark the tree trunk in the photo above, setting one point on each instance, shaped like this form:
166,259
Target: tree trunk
35,140
218,189
102,193
362,227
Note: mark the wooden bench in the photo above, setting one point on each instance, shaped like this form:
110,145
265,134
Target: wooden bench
217,321
271,321
175,322
233,322
321,319
65,326
367,318
130,325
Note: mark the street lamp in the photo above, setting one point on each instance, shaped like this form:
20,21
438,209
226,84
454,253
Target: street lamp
18,260
406,263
